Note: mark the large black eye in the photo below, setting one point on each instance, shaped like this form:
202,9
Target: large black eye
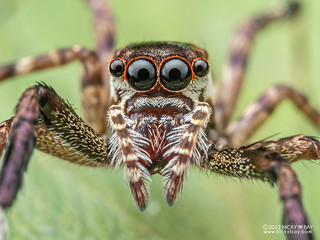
141,74
116,68
200,68
175,74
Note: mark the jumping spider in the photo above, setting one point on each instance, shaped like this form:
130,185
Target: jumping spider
162,116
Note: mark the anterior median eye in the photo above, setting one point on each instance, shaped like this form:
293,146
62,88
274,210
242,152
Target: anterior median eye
175,74
116,68
200,68
141,74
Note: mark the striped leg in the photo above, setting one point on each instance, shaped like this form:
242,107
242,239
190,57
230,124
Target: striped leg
186,143
105,32
239,49
93,93
127,149
258,162
53,59
256,114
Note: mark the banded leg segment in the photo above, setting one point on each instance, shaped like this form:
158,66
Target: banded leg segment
52,59
105,32
69,134
239,49
93,91
257,113
127,149
186,143
267,166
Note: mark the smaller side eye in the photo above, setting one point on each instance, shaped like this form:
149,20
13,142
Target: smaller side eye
116,68
200,68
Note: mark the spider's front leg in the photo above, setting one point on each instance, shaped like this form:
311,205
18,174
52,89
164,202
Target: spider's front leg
188,141
22,140
43,120
126,149
270,161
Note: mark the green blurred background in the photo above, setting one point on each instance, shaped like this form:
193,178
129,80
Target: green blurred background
63,201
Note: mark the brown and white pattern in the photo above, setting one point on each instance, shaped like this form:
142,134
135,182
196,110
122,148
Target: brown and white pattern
158,100
187,144
126,149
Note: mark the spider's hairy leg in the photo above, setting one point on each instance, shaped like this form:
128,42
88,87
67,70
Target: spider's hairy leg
53,59
239,50
5,128
105,33
61,131
186,143
257,113
22,141
266,165
126,148
93,91
18,154
293,148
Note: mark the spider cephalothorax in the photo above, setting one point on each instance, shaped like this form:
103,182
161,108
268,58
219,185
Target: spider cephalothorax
157,102
159,120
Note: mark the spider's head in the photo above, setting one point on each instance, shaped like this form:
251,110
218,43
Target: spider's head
163,70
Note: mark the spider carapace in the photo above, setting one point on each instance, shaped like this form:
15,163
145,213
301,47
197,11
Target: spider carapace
165,114
160,114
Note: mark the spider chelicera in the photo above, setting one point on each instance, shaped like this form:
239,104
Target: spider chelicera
157,97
